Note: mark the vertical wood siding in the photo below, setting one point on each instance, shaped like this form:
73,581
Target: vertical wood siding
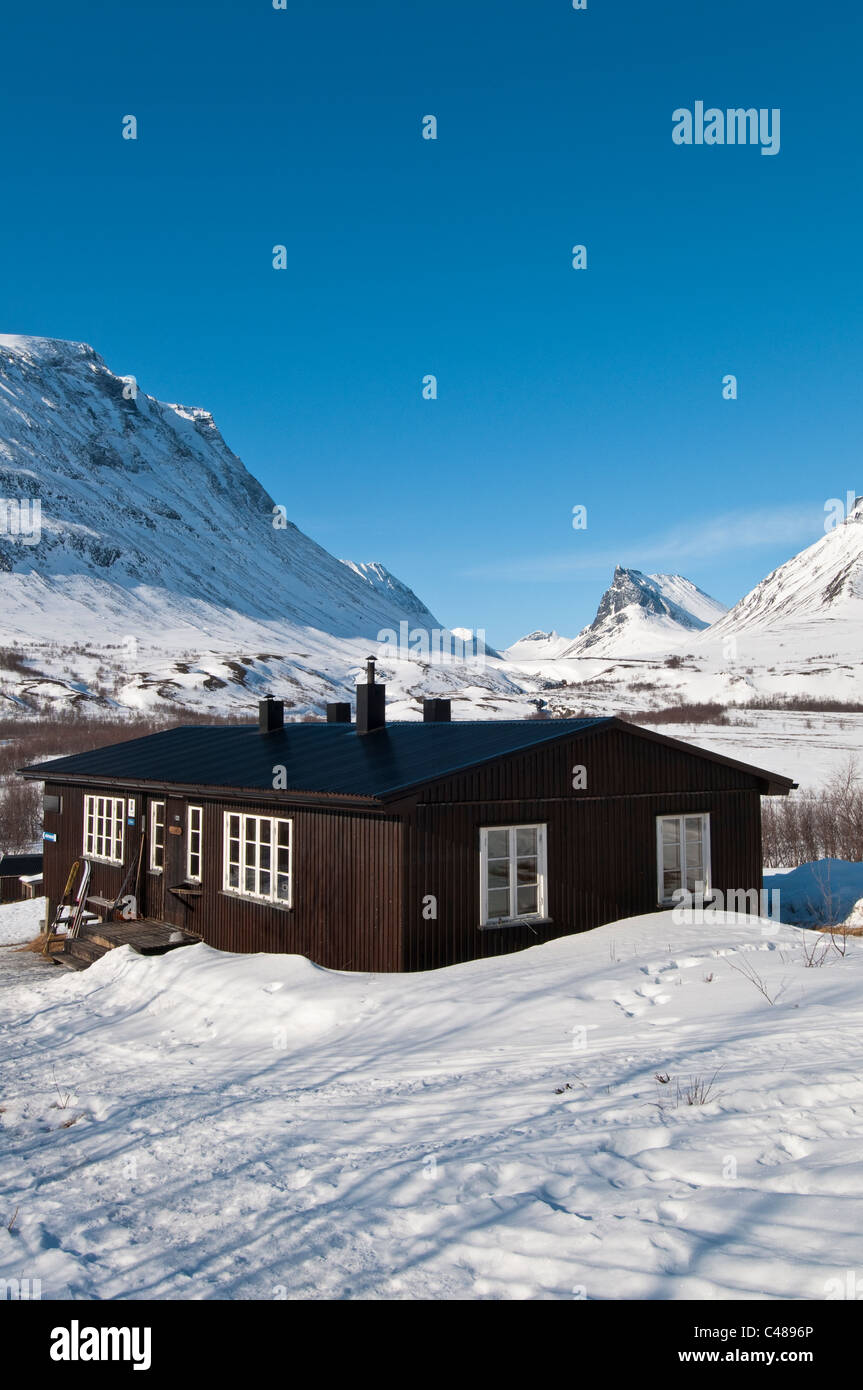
347,881
601,841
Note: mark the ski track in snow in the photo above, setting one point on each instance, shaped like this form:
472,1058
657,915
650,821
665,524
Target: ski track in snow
401,1137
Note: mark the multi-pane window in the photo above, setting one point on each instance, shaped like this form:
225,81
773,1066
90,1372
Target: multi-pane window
257,857
512,873
104,822
194,840
683,855
157,836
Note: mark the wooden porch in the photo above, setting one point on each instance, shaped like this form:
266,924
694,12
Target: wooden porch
95,938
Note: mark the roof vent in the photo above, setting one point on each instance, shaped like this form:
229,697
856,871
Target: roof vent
371,702
339,712
271,715
437,711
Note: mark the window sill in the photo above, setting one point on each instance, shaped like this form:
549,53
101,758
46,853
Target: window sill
259,902
516,922
99,859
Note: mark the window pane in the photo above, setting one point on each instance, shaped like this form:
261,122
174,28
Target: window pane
234,876
525,840
498,844
498,874
264,887
250,880
528,870
284,831
283,888
498,902
671,856
693,855
670,832
265,855
693,827
528,899
671,882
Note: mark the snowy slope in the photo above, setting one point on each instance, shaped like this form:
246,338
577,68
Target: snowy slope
160,575
824,581
254,1127
146,498
538,646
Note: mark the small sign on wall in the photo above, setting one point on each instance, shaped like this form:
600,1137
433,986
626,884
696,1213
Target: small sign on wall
49,835
175,829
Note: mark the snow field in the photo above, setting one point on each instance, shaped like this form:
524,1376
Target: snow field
206,1125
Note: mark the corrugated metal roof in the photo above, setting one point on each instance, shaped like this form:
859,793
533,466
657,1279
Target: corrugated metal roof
327,759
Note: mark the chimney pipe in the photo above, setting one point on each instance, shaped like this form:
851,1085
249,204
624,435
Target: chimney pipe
339,712
437,711
371,702
271,715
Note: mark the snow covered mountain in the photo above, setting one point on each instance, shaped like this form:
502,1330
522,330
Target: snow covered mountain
823,583
160,570
538,646
637,613
645,612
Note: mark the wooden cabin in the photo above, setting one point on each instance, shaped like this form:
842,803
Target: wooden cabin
374,846
20,875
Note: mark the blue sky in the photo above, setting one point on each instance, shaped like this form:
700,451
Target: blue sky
406,257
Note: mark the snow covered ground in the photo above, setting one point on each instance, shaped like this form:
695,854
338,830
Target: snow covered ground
206,1125
823,893
21,921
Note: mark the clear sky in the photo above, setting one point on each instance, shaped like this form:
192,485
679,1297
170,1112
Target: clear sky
406,256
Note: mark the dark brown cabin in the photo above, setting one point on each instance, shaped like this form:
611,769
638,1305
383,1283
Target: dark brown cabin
381,846
19,876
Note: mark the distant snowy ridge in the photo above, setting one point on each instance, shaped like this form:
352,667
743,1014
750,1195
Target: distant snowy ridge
637,612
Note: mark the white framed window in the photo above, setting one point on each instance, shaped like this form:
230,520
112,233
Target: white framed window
682,855
157,836
104,828
194,841
513,873
257,857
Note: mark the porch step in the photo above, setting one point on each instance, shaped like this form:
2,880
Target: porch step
69,962
83,948
79,952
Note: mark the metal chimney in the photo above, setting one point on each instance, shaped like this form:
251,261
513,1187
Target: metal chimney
271,715
371,702
437,711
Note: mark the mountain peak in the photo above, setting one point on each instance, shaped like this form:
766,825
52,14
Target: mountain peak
645,611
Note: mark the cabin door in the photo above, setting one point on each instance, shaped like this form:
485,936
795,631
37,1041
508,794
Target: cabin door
154,860
176,875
